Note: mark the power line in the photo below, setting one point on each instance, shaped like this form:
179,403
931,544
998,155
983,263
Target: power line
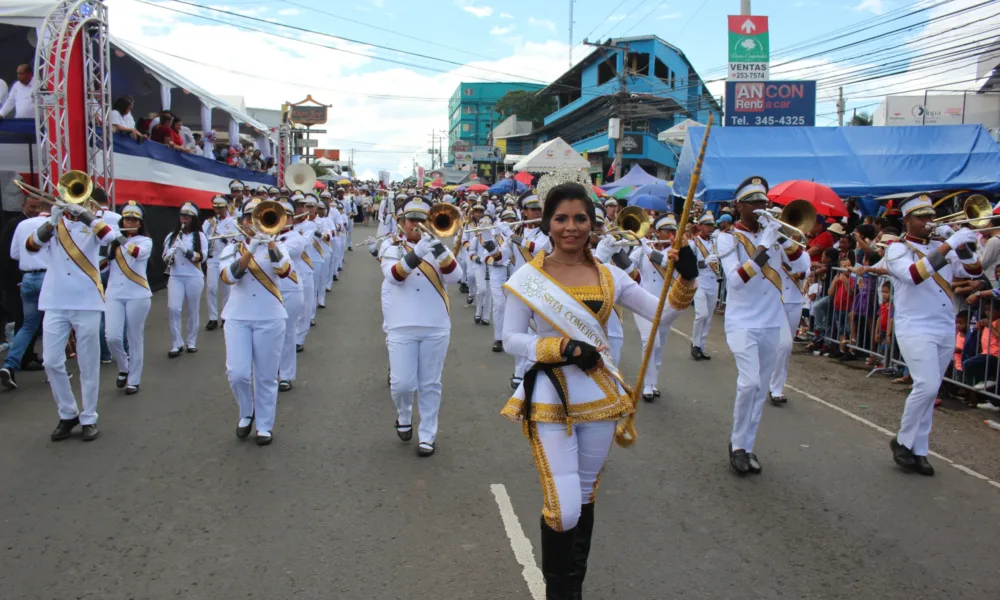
643,19
613,10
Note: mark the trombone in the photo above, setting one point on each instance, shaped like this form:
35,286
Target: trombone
74,187
444,220
796,217
977,210
632,222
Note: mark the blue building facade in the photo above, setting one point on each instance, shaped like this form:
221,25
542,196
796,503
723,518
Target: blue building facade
646,82
471,114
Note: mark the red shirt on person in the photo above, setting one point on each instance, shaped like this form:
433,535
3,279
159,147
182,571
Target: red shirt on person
164,134
822,241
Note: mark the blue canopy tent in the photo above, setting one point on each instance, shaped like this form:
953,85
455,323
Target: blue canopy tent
637,177
854,161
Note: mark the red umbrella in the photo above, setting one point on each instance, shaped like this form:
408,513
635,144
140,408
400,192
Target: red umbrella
825,200
478,188
437,183
600,193
319,185
524,177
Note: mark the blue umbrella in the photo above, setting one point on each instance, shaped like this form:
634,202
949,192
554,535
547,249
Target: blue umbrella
660,190
506,186
649,202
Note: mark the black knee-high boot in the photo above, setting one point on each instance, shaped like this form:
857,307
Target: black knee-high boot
557,560
581,551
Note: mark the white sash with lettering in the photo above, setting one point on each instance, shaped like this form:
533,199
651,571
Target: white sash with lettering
562,311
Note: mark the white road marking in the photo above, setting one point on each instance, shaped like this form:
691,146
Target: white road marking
519,543
868,423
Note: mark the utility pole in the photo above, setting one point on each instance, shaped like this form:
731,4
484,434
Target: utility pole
745,7
571,33
621,99
841,107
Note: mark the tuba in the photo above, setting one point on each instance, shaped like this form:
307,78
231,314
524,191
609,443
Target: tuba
300,177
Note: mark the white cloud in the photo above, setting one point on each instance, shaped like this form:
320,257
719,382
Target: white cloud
504,15
501,30
479,11
288,12
616,18
875,6
542,23
673,15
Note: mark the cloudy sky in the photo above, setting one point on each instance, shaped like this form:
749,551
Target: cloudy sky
386,100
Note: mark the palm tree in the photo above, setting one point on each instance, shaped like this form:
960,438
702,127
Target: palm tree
861,119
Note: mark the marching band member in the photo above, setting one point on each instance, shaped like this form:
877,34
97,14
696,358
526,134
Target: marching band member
477,211
128,297
526,245
72,299
183,251
606,251
255,327
755,317
480,251
292,244
418,268
498,263
316,254
220,224
652,266
791,297
708,284
924,318
305,269
573,393
325,224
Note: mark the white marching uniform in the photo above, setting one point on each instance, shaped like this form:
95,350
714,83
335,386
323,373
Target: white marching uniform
533,242
419,329
498,265
755,322
616,331
468,265
292,244
350,210
305,269
792,298
478,255
651,280
255,332
708,290
184,288
318,255
924,324
72,298
128,300
216,226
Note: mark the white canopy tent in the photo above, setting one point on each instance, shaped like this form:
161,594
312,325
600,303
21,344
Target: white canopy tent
550,156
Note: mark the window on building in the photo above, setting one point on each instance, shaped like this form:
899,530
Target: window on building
661,71
466,127
470,109
638,63
605,72
468,92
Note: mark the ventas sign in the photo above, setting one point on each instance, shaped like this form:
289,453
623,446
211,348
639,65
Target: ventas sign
749,48
770,103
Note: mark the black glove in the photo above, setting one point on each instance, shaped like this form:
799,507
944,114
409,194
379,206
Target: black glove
588,358
478,260
516,239
490,246
189,254
318,234
621,260
687,263
438,250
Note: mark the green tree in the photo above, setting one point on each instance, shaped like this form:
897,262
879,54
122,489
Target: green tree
320,171
528,106
861,119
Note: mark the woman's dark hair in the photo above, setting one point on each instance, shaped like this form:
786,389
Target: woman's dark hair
560,194
832,255
872,257
195,228
867,231
122,104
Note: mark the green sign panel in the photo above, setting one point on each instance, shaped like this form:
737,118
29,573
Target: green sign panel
748,39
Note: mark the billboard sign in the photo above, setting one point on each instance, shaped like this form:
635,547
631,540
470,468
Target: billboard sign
307,114
749,48
770,104
327,154
632,143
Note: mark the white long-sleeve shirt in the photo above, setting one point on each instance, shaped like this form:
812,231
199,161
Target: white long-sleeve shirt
136,255
255,296
19,102
66,285
414,301
183,267
29,261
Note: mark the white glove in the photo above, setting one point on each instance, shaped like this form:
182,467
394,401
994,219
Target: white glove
74,209
56,214
605,248
424,245
257,242
763,217
505,229
770,236
944,231
962,237
711,259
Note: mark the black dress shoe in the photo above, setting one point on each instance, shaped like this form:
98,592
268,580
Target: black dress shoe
243,432
335,278
739,460
695,354
191,350
425,449
131,389
174,353
211,325
91,432
702,355
312,323
903,455
350,249
122,379
299,347
656,392
7,379
498,346
477,320
469,300
753,464
515,382
32,365
922,466
778,400
485,322
284,385
649,397
405,432
64,428
320,306
264,440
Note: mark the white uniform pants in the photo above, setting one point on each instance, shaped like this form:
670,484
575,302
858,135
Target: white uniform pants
416,360
498,277
119,314
184,294
294,307
471,276
704,308
212,287
385,297
483,298
350,231
656,359
780,374
927,355
308,307
56,327
754,351
319,286
253,352
569,466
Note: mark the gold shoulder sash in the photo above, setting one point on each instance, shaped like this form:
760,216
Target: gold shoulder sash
261,276
74,252
944,285
127,271
767,270
318,248
432,276
701,247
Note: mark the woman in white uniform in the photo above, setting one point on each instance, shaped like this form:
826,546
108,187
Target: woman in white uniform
573,394
292,243
128,297
184,250
480,250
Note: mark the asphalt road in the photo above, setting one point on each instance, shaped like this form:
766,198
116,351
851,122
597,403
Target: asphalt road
169,504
